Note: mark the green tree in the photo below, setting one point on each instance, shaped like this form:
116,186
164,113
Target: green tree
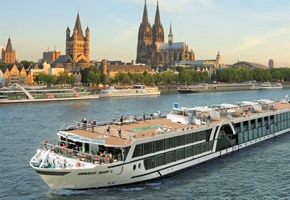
168,76
94,78
185,76
277,74
63,77
156,79
148,78
46,79
26,63
123,78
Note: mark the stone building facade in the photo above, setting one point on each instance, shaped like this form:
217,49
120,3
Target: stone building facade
152,48
50,56
110,70
13,74
77,47
9,55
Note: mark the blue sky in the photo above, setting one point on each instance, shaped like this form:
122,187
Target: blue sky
248,30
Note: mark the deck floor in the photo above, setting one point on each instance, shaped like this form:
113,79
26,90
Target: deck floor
150,128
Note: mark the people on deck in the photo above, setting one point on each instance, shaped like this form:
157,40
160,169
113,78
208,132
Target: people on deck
121,119
108,129
159,114
119,132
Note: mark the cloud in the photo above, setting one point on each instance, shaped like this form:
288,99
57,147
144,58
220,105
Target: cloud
128,32
125,35
253,41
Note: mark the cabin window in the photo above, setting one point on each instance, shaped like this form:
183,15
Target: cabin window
188,151
272,119
158,145
241,138
251,135
169,157
149,163
265,120
245,126
197,149
179,154
260,122
205,147
126,151
238,127
196,136
159,160
188,138
148,148
138,150
179,140
208,132
169,143
253,124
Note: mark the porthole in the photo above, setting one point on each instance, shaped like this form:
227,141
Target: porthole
139,165
134,167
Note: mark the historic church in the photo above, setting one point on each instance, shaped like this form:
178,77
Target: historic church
9,55
77,47
152,48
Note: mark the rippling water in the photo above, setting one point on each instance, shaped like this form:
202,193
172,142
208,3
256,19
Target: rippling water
258,172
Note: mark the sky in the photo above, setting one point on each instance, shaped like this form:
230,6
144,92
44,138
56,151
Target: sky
241,30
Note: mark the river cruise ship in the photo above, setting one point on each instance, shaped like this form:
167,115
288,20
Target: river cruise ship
130,150
136,90
218,87
24,94
271,86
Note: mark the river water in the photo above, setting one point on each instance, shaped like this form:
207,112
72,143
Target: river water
258,172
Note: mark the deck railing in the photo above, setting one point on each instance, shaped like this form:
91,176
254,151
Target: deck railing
79,155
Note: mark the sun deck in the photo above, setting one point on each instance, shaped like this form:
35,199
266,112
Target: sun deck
133,130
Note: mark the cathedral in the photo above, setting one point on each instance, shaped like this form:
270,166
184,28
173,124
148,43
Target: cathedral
152,48
77,47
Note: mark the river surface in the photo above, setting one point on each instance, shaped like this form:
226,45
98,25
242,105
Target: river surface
258,172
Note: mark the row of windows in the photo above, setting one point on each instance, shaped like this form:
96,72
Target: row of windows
264,121
164,144
262,131
179,154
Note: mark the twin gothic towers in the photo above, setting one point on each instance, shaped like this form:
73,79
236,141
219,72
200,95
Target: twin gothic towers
152,48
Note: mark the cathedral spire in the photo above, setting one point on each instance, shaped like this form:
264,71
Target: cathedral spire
9,48
78,27
157,16
170,36
145,15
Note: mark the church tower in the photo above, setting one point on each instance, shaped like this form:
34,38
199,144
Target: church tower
218,60
9,55
78,45
158,31
145,39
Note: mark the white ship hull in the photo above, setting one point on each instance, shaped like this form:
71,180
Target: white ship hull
113,94
122,173
148,149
